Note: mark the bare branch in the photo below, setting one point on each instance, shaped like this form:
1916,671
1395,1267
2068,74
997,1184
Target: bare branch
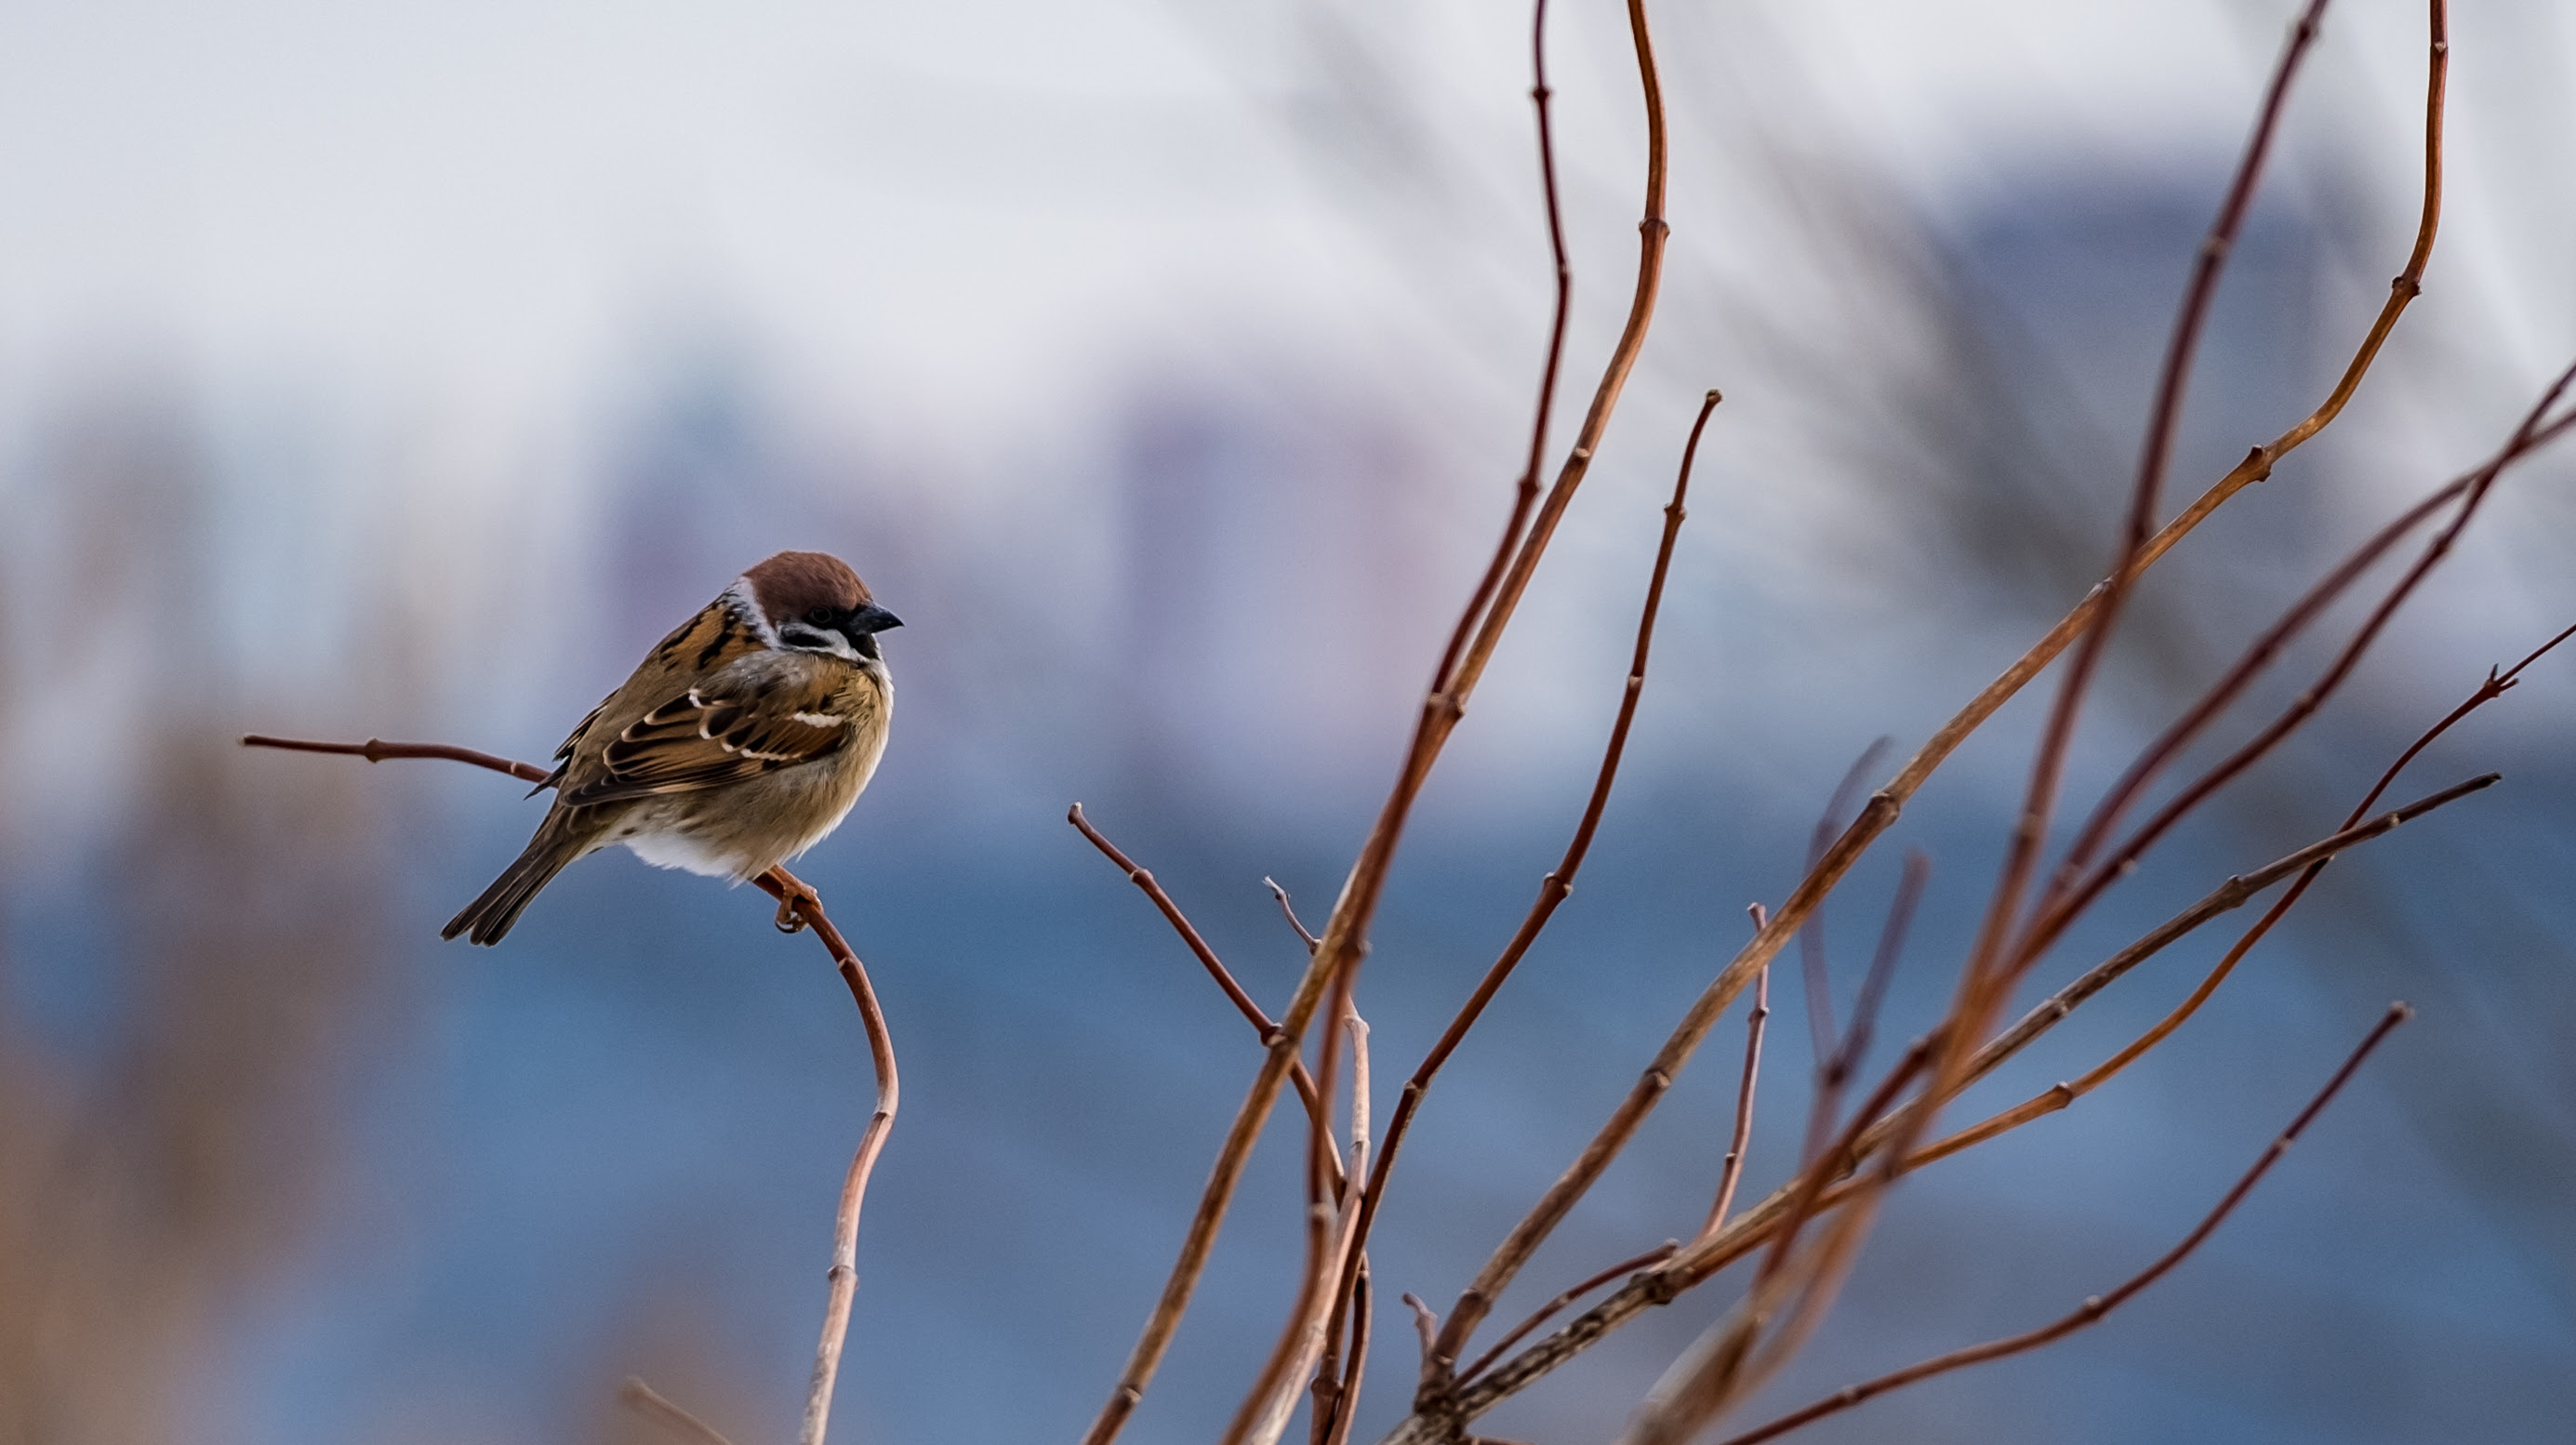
1442,1417
2094,1308
1836,1063
375,750
1288,911
1243,1002
1426,1323
2497,683
634,1393
1547,1311
1345,937
843,1278
1986,982
1817,978
2471,491
1334,1426
1733,1169
1702,1259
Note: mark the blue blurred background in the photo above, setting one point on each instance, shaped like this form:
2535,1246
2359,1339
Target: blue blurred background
406,370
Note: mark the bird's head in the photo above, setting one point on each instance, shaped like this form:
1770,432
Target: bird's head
813,602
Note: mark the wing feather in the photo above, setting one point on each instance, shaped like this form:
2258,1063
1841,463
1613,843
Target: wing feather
712,735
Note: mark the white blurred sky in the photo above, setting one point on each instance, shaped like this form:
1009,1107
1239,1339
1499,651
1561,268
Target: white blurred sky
944,206
417,262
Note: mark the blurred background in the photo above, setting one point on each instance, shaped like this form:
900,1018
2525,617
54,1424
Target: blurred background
407,370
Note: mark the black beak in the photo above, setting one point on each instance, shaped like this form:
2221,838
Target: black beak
871,618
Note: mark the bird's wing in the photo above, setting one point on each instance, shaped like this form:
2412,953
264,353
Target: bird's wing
572,740
571,746
724,730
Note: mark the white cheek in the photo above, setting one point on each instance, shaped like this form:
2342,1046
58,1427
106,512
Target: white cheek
800,638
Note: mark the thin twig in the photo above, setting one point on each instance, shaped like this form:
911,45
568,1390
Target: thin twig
376,750
1243,1002
1330,1380
1720,1366
1835,1062
1426,1324
1346,1399
1733,1169
1547,1311
1288,911
1526,491
634,1393
1846,1150
1882,968
2094,1308
1307,1337
1816,976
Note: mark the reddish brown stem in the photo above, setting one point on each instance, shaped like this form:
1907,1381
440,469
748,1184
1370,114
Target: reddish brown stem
1703,1259
1334,1428
375,750
1547,1311
1288,911
1525,492
1345,936
1815,976
1261,1022
2497,683
1559,882
2093,1309
2471,491
1985,983
1732,1170
1836,1062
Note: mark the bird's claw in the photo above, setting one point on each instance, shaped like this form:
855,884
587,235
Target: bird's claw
790,918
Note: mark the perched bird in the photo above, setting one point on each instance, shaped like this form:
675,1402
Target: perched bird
740,742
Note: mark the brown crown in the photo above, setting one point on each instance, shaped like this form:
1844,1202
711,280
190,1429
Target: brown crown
792,584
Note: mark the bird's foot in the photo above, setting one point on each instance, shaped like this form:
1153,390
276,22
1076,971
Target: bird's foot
793,897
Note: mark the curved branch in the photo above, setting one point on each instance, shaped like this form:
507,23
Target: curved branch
806,906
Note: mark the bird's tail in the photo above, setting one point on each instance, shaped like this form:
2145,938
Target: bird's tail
490,916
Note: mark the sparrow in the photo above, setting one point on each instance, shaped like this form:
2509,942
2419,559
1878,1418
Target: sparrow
738,743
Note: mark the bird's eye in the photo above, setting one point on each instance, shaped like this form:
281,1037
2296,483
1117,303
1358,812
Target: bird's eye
819,616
